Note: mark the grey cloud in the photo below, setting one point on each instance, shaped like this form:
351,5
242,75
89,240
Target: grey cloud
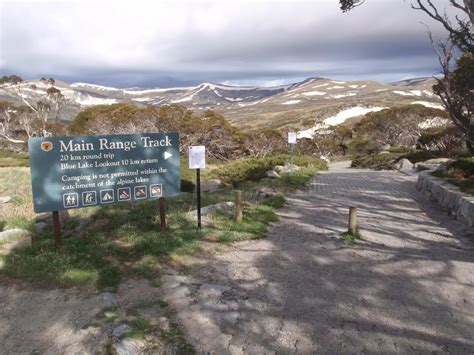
187,43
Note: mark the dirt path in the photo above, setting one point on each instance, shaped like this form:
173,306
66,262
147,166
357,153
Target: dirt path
406,288
71,321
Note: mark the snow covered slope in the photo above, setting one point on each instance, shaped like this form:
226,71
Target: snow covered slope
251,107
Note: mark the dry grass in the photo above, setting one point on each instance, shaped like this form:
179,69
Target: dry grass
16,183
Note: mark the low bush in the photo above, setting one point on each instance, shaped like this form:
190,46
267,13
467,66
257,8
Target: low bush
460,173
254,169
402,150
376,161
464,166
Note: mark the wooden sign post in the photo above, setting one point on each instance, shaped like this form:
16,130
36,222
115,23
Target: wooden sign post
87,171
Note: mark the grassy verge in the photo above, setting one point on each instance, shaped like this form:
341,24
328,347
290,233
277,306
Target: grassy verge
124,240
460,173
13,160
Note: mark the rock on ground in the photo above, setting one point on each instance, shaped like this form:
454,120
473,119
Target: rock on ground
12,234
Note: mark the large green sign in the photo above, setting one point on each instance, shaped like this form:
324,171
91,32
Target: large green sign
74,172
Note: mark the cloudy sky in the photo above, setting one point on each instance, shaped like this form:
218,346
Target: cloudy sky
176,43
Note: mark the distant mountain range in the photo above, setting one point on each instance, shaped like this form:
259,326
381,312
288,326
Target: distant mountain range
251,107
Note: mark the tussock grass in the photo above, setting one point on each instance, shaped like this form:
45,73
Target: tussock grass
16,183
124,240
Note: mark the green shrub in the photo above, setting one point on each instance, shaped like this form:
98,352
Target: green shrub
277,201
254,169
464,168
376,161
404,150
422,155
188,176
460,173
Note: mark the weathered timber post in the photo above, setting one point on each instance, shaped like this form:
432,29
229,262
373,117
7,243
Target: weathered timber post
162,214
57,229
238,206
353,220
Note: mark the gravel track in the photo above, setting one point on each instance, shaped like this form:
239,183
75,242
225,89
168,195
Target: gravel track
407,287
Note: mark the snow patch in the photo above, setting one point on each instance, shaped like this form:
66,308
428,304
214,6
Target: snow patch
184,99
338,82
314,93
336,87
342,116
344,95
87,100
291,102
428,104
309,133
403,93
98,87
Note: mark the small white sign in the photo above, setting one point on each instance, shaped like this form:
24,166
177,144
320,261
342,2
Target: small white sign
197,157
292,137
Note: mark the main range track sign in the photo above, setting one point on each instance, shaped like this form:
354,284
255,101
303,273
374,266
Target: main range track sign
74,172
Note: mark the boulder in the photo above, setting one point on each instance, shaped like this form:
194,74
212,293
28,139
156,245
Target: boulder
272,174
288,168
384,152
47,217
210,185
279,168
292,167
386,147
17,244
5,199
109,300
121,330
41,226
266,192
421,166
437,161
127,346
13,234
443,166
218,207
405,164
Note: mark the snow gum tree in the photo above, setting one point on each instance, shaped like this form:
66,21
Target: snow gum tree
456,56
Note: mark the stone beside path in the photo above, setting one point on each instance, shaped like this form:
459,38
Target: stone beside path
407,287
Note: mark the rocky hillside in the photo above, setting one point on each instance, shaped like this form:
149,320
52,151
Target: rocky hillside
302,105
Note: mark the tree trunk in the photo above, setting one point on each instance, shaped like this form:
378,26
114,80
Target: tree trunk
470,9
470,141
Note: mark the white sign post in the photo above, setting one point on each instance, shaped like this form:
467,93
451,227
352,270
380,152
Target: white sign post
291,137
292,143
197,161
197,157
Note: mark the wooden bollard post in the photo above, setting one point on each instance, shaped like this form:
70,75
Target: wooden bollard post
238,205
57,229
353,220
